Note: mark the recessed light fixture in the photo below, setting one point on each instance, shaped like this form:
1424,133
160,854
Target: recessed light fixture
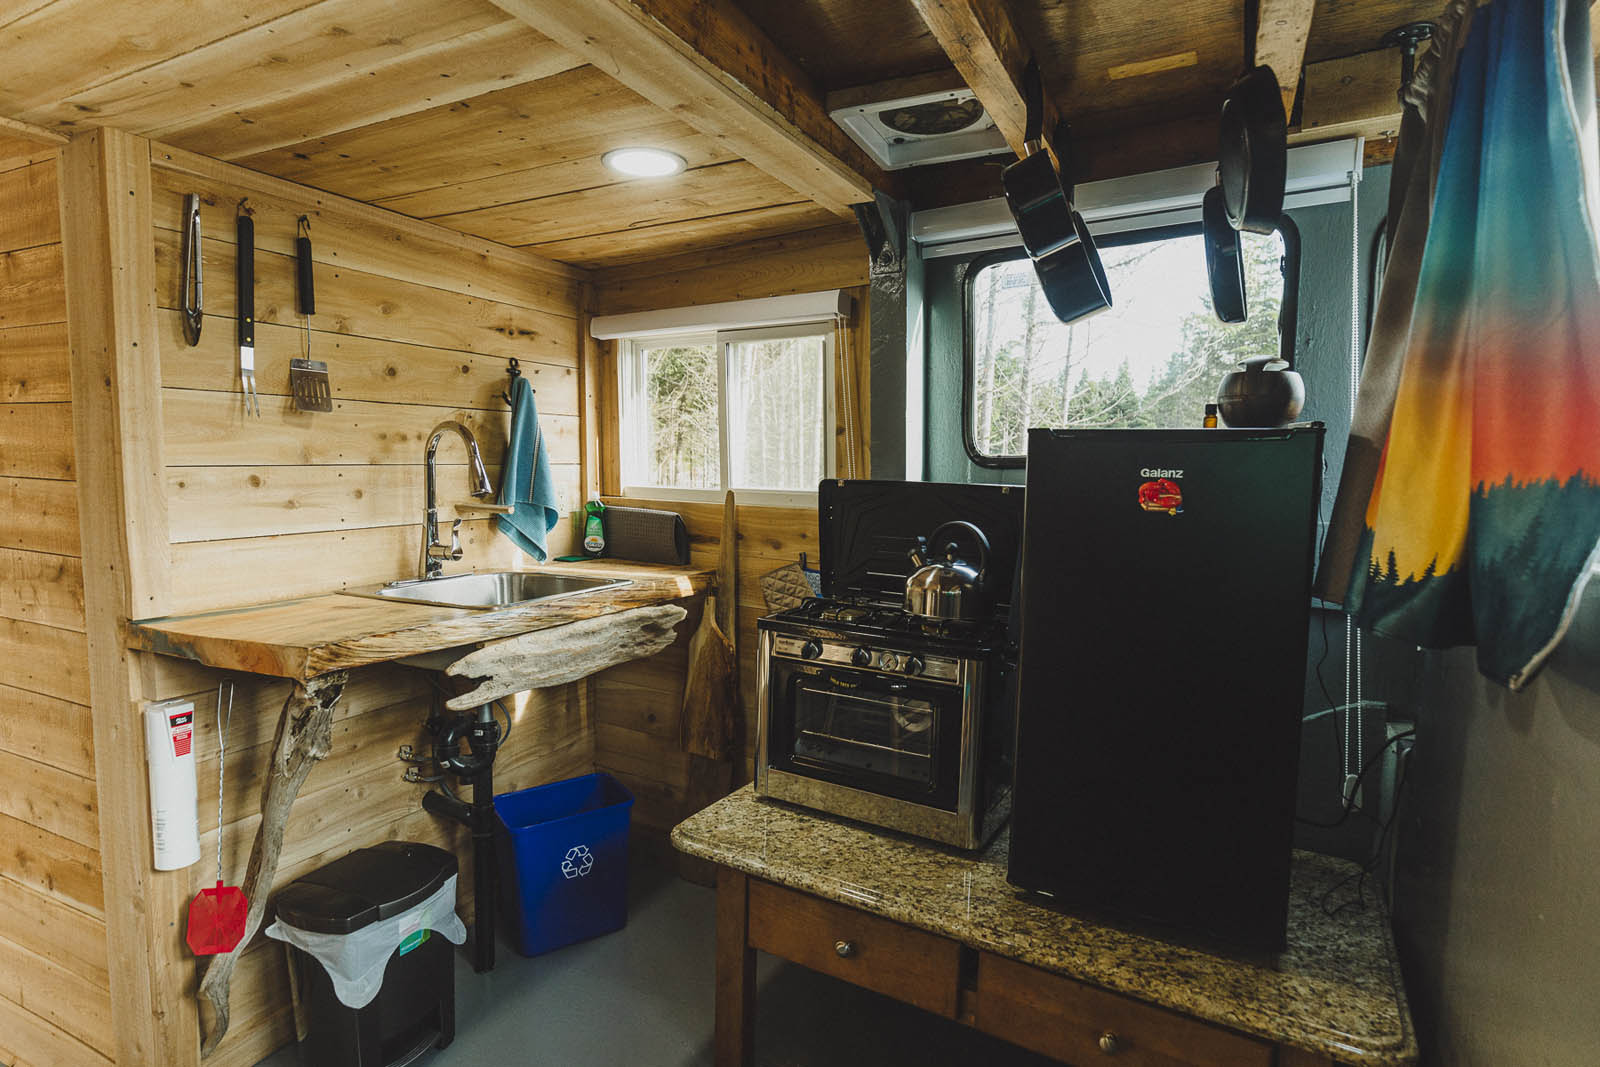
643,162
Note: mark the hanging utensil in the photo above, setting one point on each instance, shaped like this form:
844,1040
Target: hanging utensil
246,275
192,298
308,378
1253,152
217,915
1053,233
1224,261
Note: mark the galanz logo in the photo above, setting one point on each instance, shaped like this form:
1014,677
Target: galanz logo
1160,472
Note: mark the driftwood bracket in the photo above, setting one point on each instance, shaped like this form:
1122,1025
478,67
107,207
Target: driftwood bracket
305,736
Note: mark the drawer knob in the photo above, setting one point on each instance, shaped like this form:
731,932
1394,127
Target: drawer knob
1109,1043
845,949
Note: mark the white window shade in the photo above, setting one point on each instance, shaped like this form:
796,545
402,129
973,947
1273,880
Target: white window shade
1317,174
728,315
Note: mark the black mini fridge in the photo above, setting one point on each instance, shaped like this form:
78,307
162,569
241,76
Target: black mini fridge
1166,591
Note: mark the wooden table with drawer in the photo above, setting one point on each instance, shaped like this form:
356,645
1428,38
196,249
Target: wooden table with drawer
935,929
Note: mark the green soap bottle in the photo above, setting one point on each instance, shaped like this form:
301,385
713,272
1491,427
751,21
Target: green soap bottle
594,529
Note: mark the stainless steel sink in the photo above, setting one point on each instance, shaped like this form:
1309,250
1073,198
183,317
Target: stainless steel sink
494,589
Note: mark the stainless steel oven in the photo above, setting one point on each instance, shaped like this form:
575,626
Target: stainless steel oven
887,732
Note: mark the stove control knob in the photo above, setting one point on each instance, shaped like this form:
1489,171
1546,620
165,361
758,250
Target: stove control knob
861,657
914,665
811,649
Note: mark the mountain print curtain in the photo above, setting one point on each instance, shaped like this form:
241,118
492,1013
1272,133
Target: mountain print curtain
1477,518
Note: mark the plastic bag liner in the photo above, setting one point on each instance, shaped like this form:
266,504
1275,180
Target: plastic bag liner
355,962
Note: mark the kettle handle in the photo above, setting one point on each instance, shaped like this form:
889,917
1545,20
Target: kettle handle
977,535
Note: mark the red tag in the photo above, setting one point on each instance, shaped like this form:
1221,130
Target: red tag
1161,494
182,727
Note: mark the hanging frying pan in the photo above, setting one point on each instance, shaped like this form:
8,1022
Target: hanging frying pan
1224,264
1054,235
1253,152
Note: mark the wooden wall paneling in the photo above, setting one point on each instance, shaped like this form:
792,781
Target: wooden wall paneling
54,866
371,305
631,245
33,364
30,286
28,213
39,515
610,419
832,257
19,150
350,234
360,368
47,730
72,939
449,73
36,441
46,660
25,1038
74,1004
106,228
41,588
54,800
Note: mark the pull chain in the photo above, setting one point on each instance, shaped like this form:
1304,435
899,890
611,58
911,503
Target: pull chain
222,762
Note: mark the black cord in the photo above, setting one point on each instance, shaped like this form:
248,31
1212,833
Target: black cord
1350,806
1371,865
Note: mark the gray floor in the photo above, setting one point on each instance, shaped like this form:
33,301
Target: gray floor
643,996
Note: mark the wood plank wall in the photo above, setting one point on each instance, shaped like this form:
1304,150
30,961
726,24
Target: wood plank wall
55,1003
637,705
417,325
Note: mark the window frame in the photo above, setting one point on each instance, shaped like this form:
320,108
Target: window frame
974,267
630,386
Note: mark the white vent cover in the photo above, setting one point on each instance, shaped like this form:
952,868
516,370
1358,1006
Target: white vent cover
888,129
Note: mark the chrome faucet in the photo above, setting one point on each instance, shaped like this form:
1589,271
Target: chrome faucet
430,564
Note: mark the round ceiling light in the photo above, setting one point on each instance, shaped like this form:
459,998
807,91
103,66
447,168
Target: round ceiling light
643,162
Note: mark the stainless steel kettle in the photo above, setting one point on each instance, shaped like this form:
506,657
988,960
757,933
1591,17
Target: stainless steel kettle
948,588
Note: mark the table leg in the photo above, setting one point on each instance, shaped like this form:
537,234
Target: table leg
736,973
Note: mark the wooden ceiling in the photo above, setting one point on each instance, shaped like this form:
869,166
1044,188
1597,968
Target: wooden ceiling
490,116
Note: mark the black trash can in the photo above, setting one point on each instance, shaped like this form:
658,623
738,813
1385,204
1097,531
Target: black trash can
415,1007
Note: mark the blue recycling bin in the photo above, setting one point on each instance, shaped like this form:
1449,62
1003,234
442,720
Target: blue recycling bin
563,852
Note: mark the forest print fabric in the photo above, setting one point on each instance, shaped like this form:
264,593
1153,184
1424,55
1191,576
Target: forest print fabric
1484,513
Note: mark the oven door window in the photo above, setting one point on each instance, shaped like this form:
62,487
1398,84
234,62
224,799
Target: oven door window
872,732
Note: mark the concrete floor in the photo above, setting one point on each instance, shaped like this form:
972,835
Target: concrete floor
643,996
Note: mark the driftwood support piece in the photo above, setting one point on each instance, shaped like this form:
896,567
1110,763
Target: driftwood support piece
305,736
562,654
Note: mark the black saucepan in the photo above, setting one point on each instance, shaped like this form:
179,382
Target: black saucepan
1054,235
1224,264
1252,155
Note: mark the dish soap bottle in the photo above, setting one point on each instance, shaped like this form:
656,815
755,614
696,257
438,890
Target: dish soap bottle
594,529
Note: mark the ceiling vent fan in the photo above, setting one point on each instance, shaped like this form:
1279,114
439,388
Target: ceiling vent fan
911,130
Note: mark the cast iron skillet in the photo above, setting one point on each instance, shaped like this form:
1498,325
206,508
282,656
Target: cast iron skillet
1224,265
1054,235
1252,157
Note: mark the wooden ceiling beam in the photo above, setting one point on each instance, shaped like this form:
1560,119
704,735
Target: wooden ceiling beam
707,64
1282,29
27,131
983,43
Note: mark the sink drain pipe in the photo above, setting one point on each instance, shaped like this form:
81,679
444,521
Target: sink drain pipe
474,767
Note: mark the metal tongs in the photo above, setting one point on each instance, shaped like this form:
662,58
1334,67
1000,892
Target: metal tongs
192,297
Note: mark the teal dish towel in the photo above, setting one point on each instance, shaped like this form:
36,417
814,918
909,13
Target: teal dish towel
525,481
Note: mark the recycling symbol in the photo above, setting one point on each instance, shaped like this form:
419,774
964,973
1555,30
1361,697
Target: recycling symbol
579,862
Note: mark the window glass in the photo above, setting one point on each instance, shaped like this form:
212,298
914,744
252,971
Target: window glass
1153,360
744,409
681,447
776,413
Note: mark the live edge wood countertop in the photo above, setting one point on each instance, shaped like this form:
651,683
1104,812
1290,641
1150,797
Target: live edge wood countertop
302,639
1335,992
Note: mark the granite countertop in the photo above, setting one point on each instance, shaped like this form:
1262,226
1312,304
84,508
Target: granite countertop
1335,991
311,636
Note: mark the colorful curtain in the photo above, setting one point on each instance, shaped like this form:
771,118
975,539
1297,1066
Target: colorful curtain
1473,491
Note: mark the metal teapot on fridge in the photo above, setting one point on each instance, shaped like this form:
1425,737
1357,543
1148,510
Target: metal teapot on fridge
948,588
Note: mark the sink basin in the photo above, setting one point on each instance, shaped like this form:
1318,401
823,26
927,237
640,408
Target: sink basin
494,589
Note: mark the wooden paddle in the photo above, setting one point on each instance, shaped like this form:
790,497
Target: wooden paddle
711,690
